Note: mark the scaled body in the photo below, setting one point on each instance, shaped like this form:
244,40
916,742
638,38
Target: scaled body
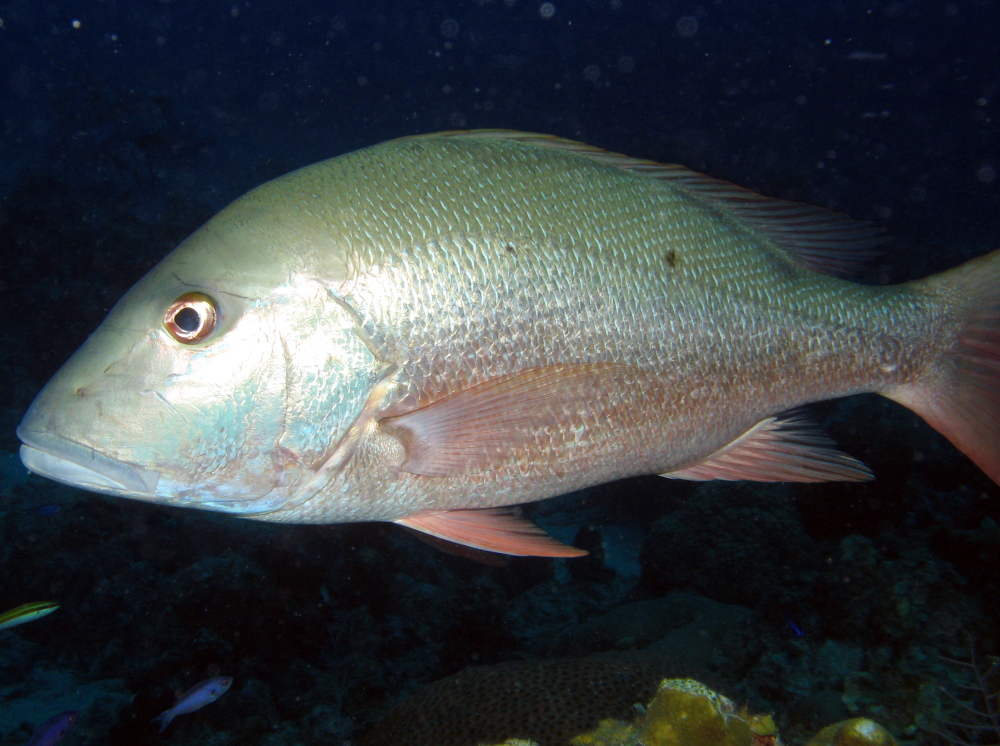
473,320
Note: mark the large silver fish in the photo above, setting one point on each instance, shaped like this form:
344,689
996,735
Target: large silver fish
431,329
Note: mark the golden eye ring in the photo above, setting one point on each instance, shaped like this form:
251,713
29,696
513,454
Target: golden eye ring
191,318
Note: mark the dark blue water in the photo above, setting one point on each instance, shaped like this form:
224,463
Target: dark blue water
126,125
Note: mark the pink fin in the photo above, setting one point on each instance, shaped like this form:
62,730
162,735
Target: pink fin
960,395
460,550
483,426
778,450
490,529
816,239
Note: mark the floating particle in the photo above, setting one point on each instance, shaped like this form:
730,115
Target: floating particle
859,56
986,173
592,73
75,23
626,63
449,28
687,26
547,10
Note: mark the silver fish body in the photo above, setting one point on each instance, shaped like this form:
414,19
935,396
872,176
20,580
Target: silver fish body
443,324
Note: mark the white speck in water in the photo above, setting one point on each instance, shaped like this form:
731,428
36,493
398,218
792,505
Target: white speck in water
986,173
547,10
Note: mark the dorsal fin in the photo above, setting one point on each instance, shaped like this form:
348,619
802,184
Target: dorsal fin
811,237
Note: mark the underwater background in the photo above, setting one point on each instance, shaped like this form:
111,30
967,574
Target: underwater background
125,125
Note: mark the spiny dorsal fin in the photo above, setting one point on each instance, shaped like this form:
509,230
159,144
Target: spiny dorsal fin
814,238
786,449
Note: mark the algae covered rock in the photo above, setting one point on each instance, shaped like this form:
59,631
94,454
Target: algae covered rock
684,712
854,732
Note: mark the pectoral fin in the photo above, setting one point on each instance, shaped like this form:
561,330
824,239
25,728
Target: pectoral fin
492,530
482,427
787,449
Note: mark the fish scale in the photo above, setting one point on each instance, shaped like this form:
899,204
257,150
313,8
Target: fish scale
433,329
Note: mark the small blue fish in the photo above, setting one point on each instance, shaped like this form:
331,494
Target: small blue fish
796,629
194,699
54,729
45,511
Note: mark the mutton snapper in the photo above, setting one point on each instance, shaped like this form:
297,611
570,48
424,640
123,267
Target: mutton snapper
434,328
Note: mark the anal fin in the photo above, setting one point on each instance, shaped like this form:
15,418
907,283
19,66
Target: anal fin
490,529
778,449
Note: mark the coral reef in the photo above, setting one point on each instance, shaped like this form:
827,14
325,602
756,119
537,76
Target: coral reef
732,542
685,712
972,701
551,700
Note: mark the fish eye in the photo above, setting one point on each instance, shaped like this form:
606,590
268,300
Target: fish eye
191,318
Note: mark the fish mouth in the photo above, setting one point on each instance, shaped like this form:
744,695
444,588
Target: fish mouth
74,464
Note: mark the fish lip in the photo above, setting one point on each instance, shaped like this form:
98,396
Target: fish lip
77,465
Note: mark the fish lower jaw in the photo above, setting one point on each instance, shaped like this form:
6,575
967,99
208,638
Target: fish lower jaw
77,465
230,499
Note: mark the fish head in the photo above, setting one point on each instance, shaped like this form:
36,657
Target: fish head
222,380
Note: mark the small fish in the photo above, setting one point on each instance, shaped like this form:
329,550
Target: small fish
194,699
795,628
27,613
53,730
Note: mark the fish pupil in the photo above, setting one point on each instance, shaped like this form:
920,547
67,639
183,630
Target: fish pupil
187,319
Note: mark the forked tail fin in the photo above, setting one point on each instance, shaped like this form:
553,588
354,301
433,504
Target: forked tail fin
960,398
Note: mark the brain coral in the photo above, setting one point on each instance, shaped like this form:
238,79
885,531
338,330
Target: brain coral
547,701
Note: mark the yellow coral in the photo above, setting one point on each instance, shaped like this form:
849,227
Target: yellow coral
608,733
683,713
856,732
